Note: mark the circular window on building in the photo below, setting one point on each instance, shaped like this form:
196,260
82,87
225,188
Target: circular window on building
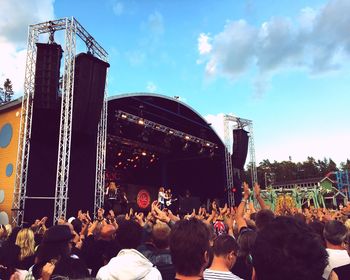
5,135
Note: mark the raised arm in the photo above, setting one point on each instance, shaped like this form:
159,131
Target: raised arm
258,196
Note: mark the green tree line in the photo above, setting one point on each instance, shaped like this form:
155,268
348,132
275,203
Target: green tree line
274,172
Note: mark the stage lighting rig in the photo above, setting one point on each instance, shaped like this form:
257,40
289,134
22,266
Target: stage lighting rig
162,128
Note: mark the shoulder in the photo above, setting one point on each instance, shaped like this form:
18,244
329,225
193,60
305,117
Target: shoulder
215,274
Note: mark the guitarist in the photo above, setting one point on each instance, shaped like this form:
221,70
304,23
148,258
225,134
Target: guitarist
169,202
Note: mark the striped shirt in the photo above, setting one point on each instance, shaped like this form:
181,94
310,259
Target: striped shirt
219,275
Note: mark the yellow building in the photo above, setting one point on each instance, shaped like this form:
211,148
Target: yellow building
10,116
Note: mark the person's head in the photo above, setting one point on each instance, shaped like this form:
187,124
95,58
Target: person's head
161,189
129,234
112,186
225,248
246,240
263,218
189,245
25,240
107,233
160,235
287,249
3,232
335,232
56,243
317,227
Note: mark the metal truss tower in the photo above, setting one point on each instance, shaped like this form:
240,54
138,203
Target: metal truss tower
231,122
72,29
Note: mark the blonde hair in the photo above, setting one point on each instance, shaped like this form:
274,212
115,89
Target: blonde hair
25,240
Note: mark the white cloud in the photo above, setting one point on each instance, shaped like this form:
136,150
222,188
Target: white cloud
204,47
136,57
317,41
15,17
118,8
155,23
151,87
217,123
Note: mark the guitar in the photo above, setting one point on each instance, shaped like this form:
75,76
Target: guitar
170,201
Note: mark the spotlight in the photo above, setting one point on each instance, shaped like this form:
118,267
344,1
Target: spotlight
141,122
187,137
208,144
119,154
144,153
171,132
124,116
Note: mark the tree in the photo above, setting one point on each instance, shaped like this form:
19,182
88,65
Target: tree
345,165
2,95
8,91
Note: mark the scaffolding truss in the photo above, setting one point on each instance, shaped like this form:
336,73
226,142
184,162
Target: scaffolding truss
231,122
72,29
164,129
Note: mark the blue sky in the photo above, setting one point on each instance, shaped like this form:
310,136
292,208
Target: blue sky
283,64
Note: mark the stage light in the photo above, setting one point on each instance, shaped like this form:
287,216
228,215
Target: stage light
153,155
171,132
119,154
124,116
208,144
135,165
144,153
137,157
187,137
141,122
120,163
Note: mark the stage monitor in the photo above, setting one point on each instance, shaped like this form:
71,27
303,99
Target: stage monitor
240,148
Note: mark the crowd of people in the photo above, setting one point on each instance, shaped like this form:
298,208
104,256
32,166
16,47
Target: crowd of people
245,242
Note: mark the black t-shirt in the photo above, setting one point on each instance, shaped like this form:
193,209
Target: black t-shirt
343,272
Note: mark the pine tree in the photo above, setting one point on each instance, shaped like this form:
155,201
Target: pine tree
8,91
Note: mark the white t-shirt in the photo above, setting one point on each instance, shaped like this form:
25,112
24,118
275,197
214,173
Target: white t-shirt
336,258
210,274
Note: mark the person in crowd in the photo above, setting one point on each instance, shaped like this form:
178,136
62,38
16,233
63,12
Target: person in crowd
189,246
161,256
129,263
3,234
225,254
335,234
25,240
56,244
70,268
287,249
244,266
99,245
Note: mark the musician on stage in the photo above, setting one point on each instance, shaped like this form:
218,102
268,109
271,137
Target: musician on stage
169,201
112,196
161,198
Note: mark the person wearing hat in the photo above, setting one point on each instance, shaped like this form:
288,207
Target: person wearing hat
56,244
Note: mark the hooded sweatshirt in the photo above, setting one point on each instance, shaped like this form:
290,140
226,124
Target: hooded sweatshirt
129,264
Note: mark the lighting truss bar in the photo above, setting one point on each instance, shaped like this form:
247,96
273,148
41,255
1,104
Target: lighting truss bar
162,128
137,144
61,24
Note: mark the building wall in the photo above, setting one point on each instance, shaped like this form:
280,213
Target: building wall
9,135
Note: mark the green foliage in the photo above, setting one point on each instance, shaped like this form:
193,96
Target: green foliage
271,172
6,92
